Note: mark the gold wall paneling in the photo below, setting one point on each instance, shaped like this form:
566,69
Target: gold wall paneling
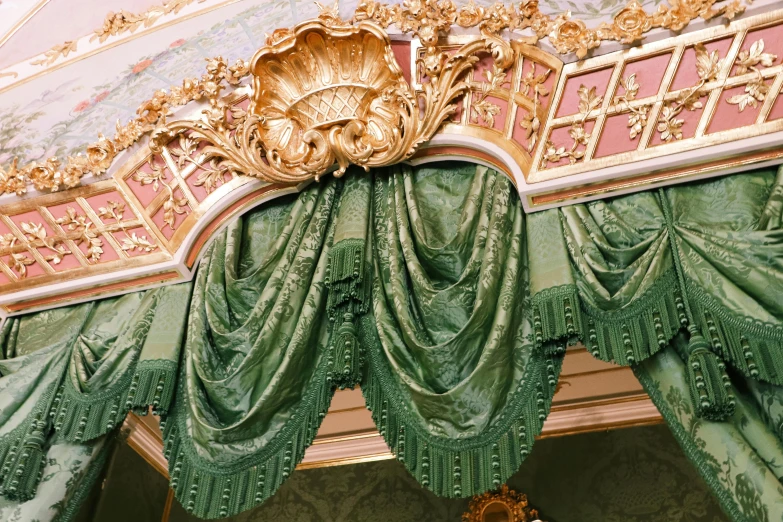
139,207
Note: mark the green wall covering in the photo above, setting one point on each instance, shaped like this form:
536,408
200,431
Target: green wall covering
628,475
132,491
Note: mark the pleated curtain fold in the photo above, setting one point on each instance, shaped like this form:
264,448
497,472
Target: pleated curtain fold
430,289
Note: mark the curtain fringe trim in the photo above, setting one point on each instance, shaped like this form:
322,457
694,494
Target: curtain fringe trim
209,490
752,347
629,336
22,453
79,418
461,472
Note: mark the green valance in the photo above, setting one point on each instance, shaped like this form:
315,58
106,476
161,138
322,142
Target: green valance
432,290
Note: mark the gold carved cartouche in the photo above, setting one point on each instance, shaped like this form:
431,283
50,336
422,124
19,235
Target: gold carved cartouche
329,94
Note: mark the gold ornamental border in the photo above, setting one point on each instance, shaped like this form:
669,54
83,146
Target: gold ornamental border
426,19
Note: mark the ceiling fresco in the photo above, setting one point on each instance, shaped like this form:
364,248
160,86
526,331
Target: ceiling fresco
57,109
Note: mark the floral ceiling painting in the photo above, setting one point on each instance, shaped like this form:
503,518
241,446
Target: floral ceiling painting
58,110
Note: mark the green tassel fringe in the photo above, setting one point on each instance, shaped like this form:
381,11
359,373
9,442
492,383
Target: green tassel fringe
460,469
80,418
623,337
348,356
708,381
556,315
752,347
349,297
155,386
22,460
23,452
629,336
210,491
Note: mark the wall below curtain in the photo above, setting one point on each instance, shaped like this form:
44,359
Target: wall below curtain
626,475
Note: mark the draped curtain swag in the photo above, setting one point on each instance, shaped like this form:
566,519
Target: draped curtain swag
432,290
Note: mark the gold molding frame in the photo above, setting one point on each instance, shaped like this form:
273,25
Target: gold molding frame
503,505
138,209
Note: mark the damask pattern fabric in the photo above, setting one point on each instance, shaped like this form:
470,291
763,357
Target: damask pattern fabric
253,387
431,289
741,459
625,275
69,474
74,373
454,381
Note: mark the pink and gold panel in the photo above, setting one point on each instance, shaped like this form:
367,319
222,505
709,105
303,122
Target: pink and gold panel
678,95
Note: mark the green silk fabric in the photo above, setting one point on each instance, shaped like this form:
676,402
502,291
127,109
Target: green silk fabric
451,371
254,386
431,289
614,258
741,460
72,374
454,381
68,476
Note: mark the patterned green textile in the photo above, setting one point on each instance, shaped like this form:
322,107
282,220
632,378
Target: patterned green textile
741,459
430,288
69,474
254,384
642,266
74,373
454,381
348,279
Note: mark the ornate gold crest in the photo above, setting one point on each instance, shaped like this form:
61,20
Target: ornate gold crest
331,94
503,505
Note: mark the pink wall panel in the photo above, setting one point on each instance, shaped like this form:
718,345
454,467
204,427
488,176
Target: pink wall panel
146,193
649,74
500,118
773,42
561,138
686,75
691,119
31,217
402,53
777,109
599,79
615,137
727,116
102,201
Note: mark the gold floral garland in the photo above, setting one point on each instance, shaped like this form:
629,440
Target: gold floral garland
427,19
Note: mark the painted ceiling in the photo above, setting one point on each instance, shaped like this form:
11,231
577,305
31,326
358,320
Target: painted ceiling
61,83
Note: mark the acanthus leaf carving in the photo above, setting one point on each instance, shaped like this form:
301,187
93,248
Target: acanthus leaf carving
317,104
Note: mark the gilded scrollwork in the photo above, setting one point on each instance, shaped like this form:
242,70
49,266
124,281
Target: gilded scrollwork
756,89
589,100
53,174
317,104
502,504
356,142
567,35
708,64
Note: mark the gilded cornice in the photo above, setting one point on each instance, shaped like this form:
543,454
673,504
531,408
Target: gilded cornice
428,20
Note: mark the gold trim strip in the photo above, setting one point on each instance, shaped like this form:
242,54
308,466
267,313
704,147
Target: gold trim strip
606,187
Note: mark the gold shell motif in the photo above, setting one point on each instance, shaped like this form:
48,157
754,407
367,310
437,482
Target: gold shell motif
330,94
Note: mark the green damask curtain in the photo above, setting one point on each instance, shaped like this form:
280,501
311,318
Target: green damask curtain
454,381
686,285
72,374
430,289
425,274
707,256
253,387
